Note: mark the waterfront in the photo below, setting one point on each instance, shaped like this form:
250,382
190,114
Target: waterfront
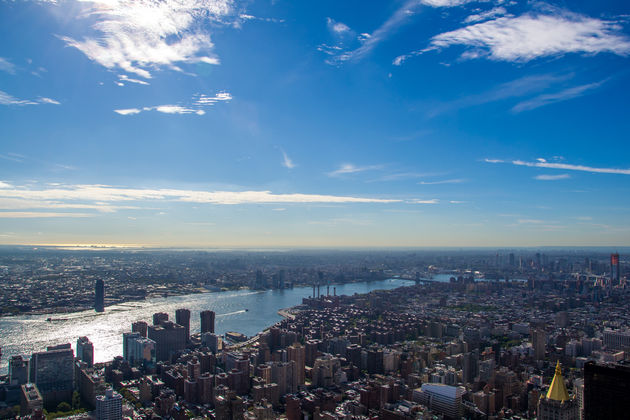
244,311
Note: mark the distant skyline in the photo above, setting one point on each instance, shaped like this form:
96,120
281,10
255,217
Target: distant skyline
221,123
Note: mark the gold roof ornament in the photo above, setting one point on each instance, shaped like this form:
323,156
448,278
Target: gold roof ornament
558,390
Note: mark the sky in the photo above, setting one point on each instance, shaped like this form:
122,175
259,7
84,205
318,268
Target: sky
277,123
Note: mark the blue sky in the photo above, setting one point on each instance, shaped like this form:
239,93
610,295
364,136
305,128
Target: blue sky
222,123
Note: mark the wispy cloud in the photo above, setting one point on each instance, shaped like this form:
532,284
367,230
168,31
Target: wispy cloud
136,36
543,163
419,201
7,66
552,177
6,99
349,168
125,78
14,157
337,27
38,215
103,195
446,3
445,181
551,98
286,161
533,35
489,14
368,41
196,106
517,88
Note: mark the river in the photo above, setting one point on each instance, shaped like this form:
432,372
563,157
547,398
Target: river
244,311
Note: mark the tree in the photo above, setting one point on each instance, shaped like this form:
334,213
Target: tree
64,407
76,400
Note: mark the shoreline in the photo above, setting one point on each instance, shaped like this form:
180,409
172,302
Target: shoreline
165,294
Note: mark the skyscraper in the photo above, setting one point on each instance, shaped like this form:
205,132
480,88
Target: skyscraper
207,321
53,373
99,296
159,317
297,354
85,351
539,341
182,317
606,389
169,338
140,327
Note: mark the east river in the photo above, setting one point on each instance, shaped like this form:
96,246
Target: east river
245,311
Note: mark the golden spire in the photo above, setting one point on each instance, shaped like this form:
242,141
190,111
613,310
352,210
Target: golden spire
557,389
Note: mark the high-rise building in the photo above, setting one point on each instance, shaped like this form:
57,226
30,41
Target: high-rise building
53,373
207,321
182,317
297,353
212,341
606,389
616,340
85,351
99,296
109,406
557,404
169,338
18,370
138,349
159,317
539,342
140,327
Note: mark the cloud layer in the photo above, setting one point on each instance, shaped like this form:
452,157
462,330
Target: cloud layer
139,35
195,107
532,35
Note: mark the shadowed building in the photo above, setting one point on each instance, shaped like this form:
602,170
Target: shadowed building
606,389
207,321
99,296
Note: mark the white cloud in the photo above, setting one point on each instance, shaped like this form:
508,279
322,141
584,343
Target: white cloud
5,185
91,194
349,168
128,111
175,109
551,98
445,181
489,14
552,177
530,221
45,100
493,160
196,107
136,36
530,36
566,166
337,27
37,215
6,99
368,41
533,35
431,201
7,66
286,161
447,3
126,78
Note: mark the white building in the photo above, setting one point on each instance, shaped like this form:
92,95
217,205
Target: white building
443,399
109,406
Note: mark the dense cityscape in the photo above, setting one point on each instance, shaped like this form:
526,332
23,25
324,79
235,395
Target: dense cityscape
511,334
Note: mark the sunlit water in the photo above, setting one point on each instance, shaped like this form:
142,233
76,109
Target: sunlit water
244,311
